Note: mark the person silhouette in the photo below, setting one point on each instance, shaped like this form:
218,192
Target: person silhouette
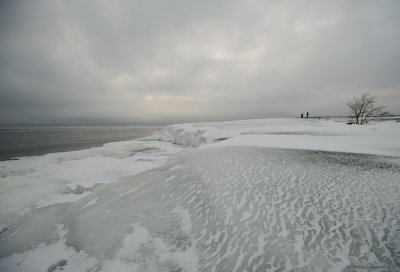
301,115
307,114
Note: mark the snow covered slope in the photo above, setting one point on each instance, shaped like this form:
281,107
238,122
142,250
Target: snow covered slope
378,138
255,195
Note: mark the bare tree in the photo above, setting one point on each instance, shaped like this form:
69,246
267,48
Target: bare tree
363,108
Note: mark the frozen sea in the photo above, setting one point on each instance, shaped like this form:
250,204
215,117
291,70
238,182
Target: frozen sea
255,195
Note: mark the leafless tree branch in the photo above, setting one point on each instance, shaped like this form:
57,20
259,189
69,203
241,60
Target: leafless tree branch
363,108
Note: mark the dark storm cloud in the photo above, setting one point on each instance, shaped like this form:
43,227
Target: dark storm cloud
77,62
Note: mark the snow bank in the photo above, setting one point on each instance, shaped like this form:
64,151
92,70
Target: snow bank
227,202
378,138
39,181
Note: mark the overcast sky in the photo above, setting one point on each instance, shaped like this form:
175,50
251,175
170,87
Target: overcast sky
157,62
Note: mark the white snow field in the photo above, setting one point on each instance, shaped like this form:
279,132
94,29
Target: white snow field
255,195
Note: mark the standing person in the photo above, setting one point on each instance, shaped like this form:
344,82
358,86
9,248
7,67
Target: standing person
301,115
307,114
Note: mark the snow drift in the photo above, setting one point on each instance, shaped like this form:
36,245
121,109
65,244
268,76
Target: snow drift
231,204
310,134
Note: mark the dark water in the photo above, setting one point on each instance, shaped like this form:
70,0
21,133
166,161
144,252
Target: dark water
19,142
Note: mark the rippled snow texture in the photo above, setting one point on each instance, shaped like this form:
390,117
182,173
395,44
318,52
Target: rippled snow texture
234,209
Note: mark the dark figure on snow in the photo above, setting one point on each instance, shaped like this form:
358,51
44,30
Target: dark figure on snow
301,115
307,114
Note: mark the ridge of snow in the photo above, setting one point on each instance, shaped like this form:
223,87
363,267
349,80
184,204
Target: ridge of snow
379,138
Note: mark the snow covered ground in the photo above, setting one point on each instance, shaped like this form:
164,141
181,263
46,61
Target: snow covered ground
378,138
252,195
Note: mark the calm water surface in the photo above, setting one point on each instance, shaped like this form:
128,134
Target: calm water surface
19,142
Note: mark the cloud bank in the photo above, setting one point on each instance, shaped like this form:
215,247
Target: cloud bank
158,62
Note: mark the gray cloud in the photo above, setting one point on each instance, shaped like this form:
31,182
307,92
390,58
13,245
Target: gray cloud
103,62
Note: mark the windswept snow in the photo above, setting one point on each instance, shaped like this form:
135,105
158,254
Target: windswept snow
256,195
379,138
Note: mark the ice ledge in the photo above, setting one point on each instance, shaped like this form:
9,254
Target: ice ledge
185,136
